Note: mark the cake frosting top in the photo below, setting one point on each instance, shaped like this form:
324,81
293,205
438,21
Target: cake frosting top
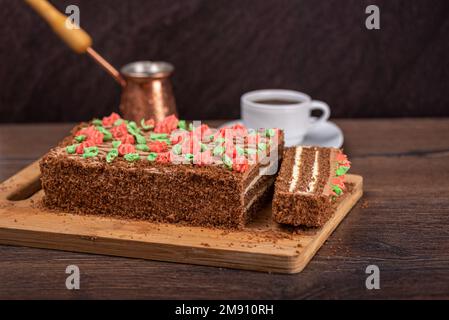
172,141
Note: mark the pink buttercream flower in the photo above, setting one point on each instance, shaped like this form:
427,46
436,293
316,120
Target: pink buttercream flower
109,121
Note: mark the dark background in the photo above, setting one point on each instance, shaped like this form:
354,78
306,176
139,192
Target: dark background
223,48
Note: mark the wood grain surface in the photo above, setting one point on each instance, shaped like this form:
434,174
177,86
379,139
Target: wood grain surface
401,225
263,245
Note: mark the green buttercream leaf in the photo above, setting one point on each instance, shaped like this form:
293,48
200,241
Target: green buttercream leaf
250,151
107,136
159,136
227,161
145,126
111,155
80,138
341,171
142,147
270,132
116,143
189,157
132,124
132,128
90,152
218,151
140,139
131,157
220,140
71,149
337,190
182,124
97,122
191,127
118,122
152,156
240,150
203,147
262,146
177,149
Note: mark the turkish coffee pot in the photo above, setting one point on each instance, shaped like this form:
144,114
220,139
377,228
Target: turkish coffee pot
146,87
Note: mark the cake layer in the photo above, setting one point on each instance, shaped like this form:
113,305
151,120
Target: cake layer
160,184
309,181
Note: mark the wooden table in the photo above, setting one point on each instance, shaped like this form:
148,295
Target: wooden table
401,225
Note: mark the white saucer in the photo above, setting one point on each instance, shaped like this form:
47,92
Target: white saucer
326,134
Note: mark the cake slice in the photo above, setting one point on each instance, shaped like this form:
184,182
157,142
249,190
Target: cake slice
309,182
167,171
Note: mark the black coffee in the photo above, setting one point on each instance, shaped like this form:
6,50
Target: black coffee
277,102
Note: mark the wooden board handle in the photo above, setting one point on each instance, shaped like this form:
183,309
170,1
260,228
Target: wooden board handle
22,185
75,38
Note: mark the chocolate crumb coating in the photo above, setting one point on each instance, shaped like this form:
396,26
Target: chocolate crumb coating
304,189
208,195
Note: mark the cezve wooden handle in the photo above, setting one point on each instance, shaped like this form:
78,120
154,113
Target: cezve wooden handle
75,38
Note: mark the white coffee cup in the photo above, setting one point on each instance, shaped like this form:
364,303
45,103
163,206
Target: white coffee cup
284,109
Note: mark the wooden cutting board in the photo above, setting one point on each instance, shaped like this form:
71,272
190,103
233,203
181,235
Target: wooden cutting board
263,246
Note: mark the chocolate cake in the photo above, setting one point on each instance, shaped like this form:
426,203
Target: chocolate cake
168,171
309,182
